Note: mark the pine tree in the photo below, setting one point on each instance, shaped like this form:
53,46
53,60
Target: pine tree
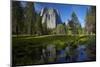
90,25
38,25
30,18
17,16
74,24
61,29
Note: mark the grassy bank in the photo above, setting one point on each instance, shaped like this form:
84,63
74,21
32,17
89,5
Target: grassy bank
27,49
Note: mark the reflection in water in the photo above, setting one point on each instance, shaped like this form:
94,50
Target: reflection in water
61,56
51,55
82,56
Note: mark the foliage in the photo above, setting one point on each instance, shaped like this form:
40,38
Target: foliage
90,25
29,15
38,25
17,18
30,35
73,26
28,49
61,29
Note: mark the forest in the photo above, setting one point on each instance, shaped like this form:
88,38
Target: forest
43,38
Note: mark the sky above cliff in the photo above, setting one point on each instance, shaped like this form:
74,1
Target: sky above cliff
65,10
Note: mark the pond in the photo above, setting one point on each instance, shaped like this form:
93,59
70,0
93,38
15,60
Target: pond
82,55
52,55
52,50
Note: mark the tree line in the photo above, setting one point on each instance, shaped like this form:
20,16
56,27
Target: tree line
26,21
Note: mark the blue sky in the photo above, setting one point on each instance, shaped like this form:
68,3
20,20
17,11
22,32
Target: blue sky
65,10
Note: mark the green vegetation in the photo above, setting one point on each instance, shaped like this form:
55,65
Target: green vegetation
90,25
28,22
27,50
31,37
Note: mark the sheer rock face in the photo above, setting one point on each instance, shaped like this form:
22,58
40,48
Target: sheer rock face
50,17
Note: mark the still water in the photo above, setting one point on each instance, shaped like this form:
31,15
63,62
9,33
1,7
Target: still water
51,55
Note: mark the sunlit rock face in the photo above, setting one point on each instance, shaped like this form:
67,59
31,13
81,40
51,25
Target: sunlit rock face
50,17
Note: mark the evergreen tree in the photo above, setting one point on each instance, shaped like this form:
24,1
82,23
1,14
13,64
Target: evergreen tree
61,29
38,25
17,18
90,25
74,25
30,18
